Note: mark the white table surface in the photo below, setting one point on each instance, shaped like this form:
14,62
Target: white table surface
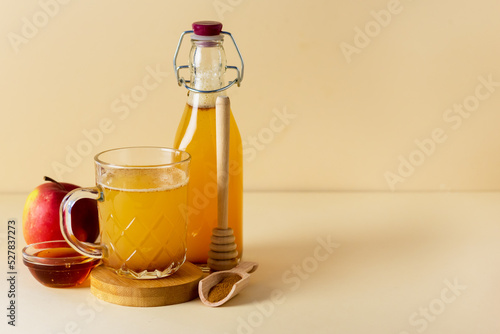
395,263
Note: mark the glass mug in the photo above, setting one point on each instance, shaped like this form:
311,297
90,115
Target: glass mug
141,197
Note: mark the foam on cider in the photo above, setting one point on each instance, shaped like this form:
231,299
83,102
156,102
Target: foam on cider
202,100
144,179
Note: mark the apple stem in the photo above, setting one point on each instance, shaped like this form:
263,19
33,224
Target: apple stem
46,178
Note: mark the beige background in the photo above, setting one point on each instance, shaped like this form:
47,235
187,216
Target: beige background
353,116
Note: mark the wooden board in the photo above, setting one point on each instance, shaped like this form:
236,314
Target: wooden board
177,288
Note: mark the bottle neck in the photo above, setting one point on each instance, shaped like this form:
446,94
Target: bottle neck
207,63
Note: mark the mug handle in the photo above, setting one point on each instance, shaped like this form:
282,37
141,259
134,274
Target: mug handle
85,248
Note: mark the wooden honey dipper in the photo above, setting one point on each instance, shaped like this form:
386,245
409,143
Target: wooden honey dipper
223,253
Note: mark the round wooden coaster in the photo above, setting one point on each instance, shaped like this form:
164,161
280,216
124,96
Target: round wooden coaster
177,288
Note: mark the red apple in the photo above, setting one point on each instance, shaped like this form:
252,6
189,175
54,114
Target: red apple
41,214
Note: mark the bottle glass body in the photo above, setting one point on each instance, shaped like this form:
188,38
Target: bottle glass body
196,134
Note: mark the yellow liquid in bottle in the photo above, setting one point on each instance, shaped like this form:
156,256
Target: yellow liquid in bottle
196,135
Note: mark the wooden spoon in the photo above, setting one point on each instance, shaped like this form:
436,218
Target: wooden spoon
242,270
223,253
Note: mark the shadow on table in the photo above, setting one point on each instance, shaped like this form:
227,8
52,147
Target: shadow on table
334,259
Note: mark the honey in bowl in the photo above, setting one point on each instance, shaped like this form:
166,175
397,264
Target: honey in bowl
55,264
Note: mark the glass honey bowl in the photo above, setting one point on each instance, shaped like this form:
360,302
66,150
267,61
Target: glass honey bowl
55,264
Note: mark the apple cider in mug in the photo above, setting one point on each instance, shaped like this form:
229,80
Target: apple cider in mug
143,224
141,195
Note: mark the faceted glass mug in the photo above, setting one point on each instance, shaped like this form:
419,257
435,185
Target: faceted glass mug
141,195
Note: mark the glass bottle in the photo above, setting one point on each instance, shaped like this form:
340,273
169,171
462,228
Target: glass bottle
196,135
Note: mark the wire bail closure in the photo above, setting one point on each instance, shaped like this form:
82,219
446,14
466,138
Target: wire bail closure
181,81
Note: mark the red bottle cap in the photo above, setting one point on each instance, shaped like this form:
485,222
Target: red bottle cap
207,28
